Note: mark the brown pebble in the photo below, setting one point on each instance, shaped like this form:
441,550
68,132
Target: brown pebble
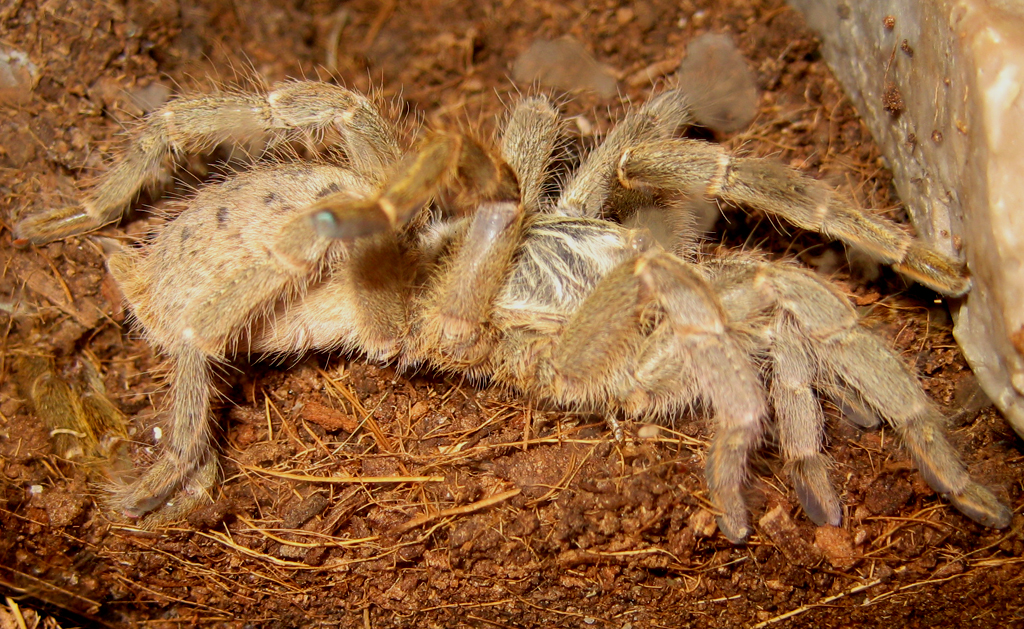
702,523
837,545
784,533
418,410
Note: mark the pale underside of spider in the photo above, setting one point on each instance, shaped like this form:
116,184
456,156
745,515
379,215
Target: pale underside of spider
547,295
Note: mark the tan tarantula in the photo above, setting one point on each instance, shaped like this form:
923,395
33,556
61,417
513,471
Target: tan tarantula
549,298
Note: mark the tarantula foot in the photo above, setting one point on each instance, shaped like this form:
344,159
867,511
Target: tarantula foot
733,516
934,270
45,227
819,500
735,526
166,492
982,506
452,333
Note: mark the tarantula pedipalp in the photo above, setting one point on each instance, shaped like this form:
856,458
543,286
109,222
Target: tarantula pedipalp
550,299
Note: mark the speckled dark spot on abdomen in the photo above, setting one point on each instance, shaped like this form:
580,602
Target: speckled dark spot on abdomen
222,217
328,190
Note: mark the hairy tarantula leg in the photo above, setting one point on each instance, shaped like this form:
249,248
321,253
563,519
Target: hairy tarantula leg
895,395
852,357
187,461
766,185
748,290
693,341
600,339
442,160
196,490
43,227
528,145
453,319
589,188
727,380
462,296
206,283
800,424
198,123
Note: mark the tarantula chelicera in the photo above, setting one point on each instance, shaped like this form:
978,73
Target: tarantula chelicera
554,298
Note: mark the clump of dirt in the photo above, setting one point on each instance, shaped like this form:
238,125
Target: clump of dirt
449,505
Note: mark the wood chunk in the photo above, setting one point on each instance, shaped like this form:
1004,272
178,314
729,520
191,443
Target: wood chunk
783,532
329,418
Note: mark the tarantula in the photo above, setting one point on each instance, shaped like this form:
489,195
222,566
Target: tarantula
551,298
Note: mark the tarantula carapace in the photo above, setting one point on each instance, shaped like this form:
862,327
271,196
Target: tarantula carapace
553,298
